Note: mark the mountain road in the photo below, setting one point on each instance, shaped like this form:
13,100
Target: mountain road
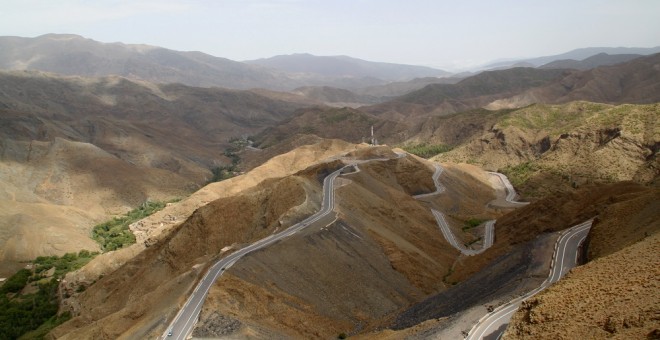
493,324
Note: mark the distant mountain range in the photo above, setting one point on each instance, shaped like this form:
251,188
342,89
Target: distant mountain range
69,54
601,59
343,66
636,81
577,54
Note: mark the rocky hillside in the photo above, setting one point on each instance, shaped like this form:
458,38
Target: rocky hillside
550,147
634,81
77,151
615,295
335,96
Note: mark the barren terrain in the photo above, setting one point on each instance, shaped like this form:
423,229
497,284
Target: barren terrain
615,295
77,151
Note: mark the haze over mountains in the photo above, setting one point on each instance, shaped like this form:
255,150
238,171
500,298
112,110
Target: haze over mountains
75,55
577,54
90,130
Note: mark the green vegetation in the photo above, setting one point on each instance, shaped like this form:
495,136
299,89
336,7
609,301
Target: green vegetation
425,150
519,174
471,223
46,327
115,234
33,314
68,262
16,283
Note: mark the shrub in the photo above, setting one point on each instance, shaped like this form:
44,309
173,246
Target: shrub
425,150
471,223
16,282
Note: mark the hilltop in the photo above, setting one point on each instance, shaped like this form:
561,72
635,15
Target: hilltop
344,66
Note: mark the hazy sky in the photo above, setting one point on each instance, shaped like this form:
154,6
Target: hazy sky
427,32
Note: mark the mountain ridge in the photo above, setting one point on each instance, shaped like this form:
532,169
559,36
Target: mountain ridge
345,66
578,54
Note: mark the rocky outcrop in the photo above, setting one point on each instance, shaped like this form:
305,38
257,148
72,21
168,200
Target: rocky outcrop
543,148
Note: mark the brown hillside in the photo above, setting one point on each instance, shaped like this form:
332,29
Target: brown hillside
77,151
54,192
383,253
342,123
133,299
614,296
624,224
470,93
556,212
155,227
519,261
636,81
556,147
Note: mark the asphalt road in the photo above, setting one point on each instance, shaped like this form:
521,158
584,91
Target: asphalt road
489,226
439,188
564,258
510,191
185,320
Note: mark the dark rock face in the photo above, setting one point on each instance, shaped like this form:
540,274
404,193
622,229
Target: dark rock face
216,325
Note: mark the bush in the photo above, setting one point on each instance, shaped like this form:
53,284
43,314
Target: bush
16,282
32,316
425,150
471,223
28,312
519,174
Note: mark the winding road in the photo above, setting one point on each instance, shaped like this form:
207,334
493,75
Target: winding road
185,320
489,226
564,258
183,323
510,191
